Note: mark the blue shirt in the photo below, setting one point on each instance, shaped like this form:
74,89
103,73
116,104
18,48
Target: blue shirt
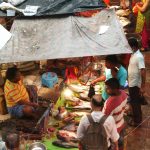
121,76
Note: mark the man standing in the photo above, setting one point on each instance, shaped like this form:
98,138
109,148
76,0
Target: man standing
115,106
116,103
113,70
107,125
136,79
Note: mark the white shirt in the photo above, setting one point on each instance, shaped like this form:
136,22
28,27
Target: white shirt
134,70
109,126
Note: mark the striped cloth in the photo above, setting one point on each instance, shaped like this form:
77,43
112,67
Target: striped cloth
14,92
115,106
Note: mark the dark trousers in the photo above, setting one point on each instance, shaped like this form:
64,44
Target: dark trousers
134,93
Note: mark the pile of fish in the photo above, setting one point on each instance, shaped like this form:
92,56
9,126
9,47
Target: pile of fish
67,137
79,105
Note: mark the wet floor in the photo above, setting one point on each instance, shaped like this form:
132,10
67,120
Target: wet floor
139,138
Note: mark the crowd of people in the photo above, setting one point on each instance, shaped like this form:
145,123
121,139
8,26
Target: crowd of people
107,109
104,127
114,105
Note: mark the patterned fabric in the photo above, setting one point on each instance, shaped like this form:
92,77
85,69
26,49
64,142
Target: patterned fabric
140,22
141,19
32,91
115,106
71,74
14,92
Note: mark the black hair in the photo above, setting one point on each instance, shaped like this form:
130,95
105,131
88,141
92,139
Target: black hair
97,103
11,73
12,140
113,83
112,59
133,42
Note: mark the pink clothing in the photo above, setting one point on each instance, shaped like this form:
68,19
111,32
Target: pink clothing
115,106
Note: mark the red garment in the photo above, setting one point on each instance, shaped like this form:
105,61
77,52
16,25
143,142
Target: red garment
88,13
107,2
71,74
115,106
146,35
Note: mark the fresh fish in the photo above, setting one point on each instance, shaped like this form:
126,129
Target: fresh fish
66,136
65,144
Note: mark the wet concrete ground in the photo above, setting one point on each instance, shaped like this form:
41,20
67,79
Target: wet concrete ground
139,138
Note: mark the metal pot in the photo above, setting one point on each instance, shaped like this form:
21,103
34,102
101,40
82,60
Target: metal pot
37,146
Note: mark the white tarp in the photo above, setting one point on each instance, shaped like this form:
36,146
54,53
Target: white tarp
39,39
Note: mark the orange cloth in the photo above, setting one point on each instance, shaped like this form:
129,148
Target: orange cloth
107,2
71,74
14,92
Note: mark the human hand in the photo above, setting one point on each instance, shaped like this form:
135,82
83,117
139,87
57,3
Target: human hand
142,90
93,83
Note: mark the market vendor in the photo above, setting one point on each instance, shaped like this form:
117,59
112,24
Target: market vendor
113,70
16,95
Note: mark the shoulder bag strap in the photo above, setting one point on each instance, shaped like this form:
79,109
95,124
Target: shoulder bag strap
90,118
102,120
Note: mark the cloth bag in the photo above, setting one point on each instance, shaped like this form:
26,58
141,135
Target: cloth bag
143,100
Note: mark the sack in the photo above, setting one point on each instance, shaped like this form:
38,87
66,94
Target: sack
143,100
95,137
91,92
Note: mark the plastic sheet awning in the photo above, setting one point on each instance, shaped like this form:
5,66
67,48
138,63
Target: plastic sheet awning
66,37
58,7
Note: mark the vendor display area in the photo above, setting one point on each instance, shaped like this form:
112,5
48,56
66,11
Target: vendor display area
62,100
58,117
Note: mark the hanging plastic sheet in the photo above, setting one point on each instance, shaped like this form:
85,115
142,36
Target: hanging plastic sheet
57,7
65,37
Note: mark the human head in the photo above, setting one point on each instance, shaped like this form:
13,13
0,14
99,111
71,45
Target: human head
133,43
112,86
12,141
96,102
13,74
111,61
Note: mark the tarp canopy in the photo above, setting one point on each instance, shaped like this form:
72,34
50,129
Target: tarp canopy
57,7
67,37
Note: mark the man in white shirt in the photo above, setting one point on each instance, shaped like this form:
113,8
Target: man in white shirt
136,79
109,123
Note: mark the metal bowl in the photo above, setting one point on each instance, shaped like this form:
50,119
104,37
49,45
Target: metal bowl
37,146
